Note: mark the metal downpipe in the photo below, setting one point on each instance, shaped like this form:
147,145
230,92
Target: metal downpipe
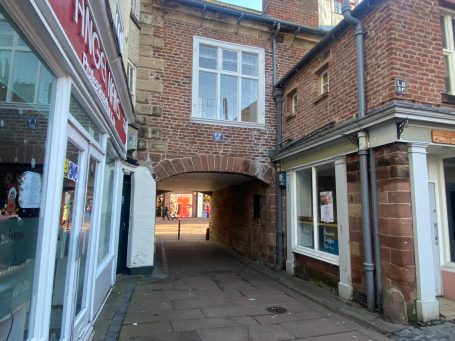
278,96
377,244
368,264
363,154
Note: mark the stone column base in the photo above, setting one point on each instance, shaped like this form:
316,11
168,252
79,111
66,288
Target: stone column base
427,310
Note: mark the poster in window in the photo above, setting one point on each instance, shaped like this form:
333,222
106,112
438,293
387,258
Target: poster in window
30,190
326,203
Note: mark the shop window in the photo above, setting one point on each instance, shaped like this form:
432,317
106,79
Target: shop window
25,96
228,82
107,202
81,115
317,232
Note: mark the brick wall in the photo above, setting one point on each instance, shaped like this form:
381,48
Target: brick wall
312,269
232,222
303,12
169,142
401,43
395,228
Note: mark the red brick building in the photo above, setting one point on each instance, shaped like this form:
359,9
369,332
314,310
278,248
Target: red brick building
402,200
206,113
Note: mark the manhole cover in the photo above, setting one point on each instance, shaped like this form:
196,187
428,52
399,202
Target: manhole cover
276,310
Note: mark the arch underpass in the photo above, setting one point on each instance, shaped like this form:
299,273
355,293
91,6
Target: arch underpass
241,196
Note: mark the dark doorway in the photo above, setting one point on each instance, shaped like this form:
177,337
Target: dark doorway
124,225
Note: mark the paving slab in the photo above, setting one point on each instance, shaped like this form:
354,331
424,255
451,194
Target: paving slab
202,292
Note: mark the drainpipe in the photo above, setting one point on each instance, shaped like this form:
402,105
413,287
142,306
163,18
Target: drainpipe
363,155
278,26
377,246
278,96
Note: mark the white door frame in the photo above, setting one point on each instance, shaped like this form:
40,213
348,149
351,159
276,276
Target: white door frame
75,327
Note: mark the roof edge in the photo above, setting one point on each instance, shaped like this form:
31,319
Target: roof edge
265,19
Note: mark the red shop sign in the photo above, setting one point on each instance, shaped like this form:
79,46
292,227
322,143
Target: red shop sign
76,19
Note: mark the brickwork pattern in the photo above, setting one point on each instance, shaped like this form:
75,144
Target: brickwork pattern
400,44
303,12
166,168
313,269
395,222
170,143
232,222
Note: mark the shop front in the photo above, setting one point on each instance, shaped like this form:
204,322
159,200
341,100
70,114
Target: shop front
64,113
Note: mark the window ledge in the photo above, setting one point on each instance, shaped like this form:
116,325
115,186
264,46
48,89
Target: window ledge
289,116
135,19
321,97
319,255
447,98
228,123
450,267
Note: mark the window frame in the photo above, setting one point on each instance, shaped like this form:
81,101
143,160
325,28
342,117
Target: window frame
131,79
315,252
136,8
324,85
220,46
449,51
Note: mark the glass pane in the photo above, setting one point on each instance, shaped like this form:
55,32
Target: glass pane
449,166
249,64
447,74
70,181
229,60
443,32
23,134
207,57
327,220
249,100
229,98
45,87
106,208
24,77
207,95
453,34
6,33
5,70
84,119
305,209
84,234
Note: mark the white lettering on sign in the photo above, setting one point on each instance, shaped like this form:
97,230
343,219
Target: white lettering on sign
97,57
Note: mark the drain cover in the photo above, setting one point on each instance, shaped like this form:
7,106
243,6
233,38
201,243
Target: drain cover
276,310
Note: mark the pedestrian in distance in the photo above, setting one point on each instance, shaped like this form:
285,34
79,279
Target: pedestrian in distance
166,212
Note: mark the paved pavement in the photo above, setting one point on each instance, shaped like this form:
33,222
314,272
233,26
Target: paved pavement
200,291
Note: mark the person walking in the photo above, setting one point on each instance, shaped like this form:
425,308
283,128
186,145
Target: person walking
166,212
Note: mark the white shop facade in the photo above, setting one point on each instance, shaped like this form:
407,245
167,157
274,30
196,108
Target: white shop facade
64,115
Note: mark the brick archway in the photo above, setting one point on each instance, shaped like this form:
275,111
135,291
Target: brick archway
167,168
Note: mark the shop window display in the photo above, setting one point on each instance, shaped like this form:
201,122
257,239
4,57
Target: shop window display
25,96
316,210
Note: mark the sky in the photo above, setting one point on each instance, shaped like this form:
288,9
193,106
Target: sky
254,4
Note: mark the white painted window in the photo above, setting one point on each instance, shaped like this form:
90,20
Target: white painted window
136,8
324,81
118,24
131,75
316,212
228,82
338,6
448,45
